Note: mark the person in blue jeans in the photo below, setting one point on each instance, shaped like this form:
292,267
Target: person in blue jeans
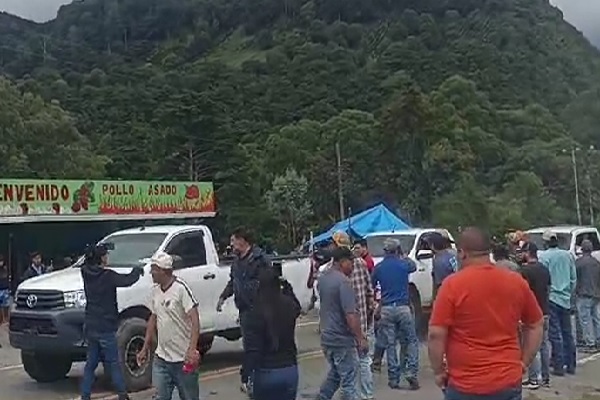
588,296
274,368
397,321
341,332
539,280
561,265
102,318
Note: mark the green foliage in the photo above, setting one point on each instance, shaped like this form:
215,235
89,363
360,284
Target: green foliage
452,112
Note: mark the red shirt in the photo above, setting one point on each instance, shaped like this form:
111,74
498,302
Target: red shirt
481,307
369,261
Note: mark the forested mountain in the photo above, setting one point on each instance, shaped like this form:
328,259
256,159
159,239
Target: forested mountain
452,111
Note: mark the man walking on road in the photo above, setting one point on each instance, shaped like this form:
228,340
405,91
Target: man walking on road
243,286
444,261
341,331
588,296
365,299
397,321
561,265
102,317
475,323
538,278
176,323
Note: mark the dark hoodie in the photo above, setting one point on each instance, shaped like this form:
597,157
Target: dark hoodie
100,285
243,278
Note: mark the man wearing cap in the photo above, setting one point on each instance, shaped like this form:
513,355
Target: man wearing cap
175,322
341,331
561,265
397,322
101,319
588,296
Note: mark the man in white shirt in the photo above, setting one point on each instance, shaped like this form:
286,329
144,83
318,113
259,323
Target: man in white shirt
176,322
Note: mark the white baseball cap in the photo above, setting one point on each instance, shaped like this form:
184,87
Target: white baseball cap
162,260
548,235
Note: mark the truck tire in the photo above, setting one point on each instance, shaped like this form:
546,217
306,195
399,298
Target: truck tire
205,344
46,368
417,311
130,340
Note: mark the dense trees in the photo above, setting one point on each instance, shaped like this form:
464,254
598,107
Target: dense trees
453,112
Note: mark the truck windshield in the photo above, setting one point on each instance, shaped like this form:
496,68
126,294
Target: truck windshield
375,243
129,249
564,240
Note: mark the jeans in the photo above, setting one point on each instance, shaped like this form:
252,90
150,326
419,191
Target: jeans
588,310
399,327
365,374
276,384
251,343
166,376
508,394
540,367
379,343
562,343
343,366
102,346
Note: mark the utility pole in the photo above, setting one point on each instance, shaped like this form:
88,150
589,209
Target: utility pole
589,184
338,156
577,203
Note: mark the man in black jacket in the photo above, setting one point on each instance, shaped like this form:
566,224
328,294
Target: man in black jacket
36,268
102,317
243,286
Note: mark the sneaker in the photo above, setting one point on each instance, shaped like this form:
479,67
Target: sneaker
546,383
531,385
413,383
376,367
244,388
393,385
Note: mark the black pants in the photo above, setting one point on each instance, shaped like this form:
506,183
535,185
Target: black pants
251,341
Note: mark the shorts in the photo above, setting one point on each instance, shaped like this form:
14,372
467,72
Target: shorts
5,298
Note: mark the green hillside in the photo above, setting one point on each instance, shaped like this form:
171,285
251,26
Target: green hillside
454,111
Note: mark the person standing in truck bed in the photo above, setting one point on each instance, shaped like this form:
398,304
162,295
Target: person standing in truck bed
102,318
243,286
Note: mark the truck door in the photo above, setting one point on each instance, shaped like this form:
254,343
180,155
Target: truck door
189,254
422,278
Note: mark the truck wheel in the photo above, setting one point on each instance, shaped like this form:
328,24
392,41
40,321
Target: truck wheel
417,311
46,368
205,344
130,340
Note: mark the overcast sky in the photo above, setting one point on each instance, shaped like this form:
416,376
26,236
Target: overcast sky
584,14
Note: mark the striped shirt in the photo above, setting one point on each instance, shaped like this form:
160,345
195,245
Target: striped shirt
171,308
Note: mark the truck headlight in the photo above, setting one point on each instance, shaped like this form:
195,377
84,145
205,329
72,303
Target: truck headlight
75,299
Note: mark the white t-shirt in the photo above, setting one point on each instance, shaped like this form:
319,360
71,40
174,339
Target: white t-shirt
171,308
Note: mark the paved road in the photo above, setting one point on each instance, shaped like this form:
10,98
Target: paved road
220,377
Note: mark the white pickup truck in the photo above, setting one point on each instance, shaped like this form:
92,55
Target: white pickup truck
569,238
414,246
47,316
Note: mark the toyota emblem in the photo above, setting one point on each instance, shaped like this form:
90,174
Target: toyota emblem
31,300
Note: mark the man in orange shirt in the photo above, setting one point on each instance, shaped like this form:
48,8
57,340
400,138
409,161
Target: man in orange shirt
474,326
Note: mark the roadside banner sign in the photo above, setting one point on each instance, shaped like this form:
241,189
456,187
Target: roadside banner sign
94,198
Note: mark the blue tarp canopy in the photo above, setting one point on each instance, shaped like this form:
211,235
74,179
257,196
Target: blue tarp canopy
376,219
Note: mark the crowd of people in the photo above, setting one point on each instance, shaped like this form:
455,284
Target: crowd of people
497,327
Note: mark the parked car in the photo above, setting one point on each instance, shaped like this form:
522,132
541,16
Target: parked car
47,317
569,238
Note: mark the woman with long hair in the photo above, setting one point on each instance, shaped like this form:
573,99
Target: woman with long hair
274,361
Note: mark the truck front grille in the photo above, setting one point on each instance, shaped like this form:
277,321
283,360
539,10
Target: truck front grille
34,326
40,300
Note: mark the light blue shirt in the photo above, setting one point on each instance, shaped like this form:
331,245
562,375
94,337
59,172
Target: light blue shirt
563,275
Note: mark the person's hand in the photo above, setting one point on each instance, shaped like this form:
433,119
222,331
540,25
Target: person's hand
220,304
139,269
192,356
441,379
142,356
363,345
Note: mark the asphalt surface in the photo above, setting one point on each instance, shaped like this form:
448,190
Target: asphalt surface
220,377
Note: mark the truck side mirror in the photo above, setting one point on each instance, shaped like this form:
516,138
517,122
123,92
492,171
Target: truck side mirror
424,255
